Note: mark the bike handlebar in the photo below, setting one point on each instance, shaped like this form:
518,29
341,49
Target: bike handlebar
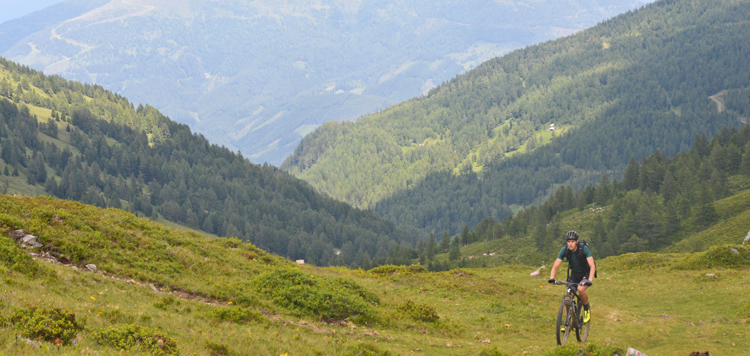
560,283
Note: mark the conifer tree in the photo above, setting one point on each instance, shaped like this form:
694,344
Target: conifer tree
430,249
632,175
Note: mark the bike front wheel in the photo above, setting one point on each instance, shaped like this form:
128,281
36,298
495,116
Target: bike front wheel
563,323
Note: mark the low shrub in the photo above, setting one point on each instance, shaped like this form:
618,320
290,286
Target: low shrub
216,349
47,324
421,312
326,297
592,349
166,302
128,337
391,269
236,315
15,259
724,256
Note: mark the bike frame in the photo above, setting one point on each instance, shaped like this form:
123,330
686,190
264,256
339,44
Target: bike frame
572,301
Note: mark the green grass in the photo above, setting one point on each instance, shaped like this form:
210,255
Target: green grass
224,296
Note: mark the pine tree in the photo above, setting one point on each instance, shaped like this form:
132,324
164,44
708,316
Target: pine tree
632,175
465,235
706,213
430,249
455,252
668,188
444,243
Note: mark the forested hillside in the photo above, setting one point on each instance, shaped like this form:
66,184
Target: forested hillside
81,142
687,203
257,76
624,88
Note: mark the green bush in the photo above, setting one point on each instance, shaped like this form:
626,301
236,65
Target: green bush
391,269
129,337
165,302
717,257
15,259
236,315
326,297
215,349
592,349
422,312
48,324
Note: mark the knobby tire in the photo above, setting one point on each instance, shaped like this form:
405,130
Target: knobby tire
562,320
582,331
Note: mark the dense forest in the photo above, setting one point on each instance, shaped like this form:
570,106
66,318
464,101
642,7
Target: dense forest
662,204
659,202
95,148
624,88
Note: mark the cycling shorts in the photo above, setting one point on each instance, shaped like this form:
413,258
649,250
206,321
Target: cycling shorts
577,277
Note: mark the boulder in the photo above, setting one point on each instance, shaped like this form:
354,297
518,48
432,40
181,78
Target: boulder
633,352
91,267
734,251
17,234
747,239
30,241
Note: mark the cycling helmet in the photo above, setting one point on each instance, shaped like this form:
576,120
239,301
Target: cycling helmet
571,235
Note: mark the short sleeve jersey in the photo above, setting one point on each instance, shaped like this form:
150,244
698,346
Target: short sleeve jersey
574,263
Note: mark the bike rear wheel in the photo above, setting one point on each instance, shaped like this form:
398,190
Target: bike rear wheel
563,323
582,331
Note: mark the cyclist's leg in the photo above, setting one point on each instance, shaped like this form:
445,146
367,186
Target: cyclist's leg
582,293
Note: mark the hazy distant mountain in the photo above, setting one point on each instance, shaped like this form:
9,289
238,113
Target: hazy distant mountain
16,9
259,75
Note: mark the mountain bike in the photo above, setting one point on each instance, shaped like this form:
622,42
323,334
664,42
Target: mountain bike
569,316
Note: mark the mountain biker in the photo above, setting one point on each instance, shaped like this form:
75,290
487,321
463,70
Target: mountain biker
582,268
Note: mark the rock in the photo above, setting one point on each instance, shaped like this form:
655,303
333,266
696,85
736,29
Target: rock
91,267
17,234
734,251
711,275
31,342
486,341
747,239
634,352
538,270
30,241
74,267
153,288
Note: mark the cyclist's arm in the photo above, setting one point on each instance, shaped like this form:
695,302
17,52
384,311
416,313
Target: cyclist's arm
592,265
553,272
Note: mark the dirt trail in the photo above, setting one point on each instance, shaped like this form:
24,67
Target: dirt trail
717,98
93,14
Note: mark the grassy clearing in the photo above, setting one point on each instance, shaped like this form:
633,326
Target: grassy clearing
220,296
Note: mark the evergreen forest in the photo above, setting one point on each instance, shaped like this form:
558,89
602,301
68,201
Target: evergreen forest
480,145
80,142
686,203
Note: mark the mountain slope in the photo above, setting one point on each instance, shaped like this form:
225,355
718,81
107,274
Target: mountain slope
623,88
207,296
81,142
258,76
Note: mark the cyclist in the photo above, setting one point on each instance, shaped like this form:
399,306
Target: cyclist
582,268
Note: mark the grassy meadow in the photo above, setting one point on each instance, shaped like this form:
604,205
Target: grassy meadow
223,297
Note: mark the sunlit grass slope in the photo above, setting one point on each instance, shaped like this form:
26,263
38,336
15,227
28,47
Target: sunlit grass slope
224,297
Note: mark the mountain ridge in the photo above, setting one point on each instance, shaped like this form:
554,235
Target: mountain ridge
611,87
214,64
